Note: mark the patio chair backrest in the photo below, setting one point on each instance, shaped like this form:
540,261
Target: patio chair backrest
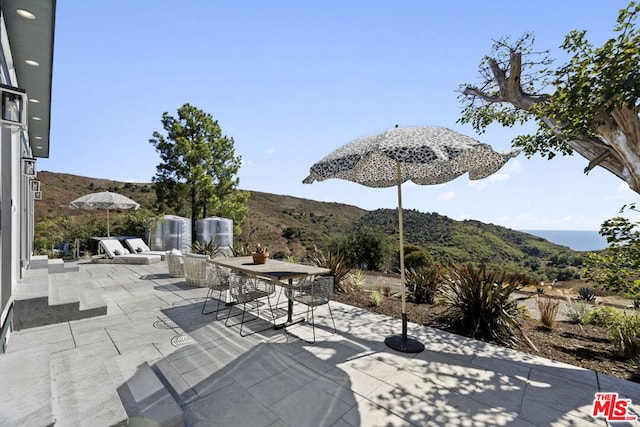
137,245
195,269
113,248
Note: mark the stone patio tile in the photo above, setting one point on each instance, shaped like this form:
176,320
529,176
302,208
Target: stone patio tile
278,386
231,406
310,405
542,415
260,363
370,414
355,380
553,391
53,337
405,405
457,408
501,391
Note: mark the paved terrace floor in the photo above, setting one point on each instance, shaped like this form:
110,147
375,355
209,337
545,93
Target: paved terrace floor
218,378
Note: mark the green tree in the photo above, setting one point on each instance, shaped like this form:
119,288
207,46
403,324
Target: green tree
197,173
589,105
616,268
365,247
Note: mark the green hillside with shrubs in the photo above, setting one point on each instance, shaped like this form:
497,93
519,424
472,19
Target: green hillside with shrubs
294,226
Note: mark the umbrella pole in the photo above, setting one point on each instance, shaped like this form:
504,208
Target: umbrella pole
402,343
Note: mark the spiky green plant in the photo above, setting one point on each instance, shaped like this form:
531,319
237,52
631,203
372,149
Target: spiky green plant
423,283
586,294
209,248
241,250
335,262
376,298
481,305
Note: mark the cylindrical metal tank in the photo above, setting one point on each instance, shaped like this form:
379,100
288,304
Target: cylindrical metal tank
171,232
220,230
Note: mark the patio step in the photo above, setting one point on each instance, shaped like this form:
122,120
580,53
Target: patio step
25,377
148,402
44,299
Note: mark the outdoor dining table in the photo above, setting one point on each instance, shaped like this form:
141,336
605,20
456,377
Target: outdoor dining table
273,269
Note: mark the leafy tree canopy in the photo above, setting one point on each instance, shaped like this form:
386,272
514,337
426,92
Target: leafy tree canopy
588,105
197,173
617,267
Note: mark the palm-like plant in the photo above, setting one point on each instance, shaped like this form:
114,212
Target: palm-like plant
482,306
209,248
335,261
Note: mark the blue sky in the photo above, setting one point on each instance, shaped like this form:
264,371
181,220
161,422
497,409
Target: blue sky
291,81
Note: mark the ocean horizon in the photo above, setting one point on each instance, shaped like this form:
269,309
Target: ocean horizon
578,240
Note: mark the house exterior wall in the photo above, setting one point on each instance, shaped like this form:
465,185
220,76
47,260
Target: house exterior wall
16,201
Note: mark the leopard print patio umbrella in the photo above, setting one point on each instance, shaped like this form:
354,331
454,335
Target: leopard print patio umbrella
425,155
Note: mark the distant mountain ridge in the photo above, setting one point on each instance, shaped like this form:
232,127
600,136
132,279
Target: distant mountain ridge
292,225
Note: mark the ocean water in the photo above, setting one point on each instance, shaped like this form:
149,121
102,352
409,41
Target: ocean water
578,240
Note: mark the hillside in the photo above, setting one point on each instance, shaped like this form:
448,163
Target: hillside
291,225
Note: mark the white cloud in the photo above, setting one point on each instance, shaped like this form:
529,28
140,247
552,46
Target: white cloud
270,151
514,165
448,196
484,183
247,162
623,188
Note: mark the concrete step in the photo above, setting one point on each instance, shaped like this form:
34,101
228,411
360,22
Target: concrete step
58,265
148,402
26,389
84,392
44,299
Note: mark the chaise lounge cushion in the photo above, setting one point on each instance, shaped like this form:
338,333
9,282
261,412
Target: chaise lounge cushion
138,246
116,253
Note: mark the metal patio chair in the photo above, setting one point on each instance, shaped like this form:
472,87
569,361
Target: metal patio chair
217,280
249,290
313,292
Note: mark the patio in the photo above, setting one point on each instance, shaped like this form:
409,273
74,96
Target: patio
154,355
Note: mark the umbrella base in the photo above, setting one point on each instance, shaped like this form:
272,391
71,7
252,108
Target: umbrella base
404,345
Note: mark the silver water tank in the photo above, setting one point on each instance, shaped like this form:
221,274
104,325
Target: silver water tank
220,230
171,232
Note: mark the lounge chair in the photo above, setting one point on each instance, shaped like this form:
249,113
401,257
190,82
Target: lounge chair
138,246
117,254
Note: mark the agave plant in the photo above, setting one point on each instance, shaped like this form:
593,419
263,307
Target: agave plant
209,248
481,305
335,262
586,294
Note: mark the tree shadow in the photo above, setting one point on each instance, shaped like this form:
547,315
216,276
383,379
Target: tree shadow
352,376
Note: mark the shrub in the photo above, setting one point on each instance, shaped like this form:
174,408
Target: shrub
482,306
586,294
376,298
548,308
602,316
386,290
577,311
625,333
423,283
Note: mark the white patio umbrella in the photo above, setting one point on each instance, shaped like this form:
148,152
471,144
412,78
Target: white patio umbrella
104,200
425,155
